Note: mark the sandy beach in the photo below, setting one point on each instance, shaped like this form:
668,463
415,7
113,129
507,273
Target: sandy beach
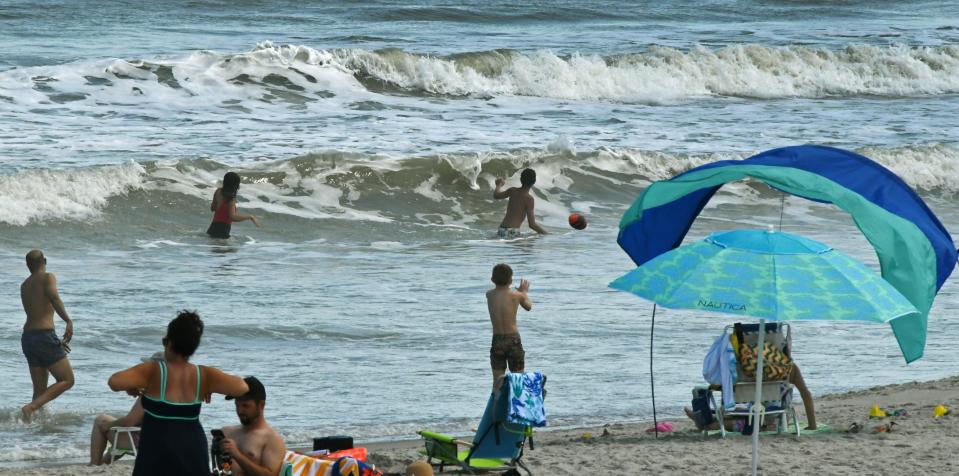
917,444
329,187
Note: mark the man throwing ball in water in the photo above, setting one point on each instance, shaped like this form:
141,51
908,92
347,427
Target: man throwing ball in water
503,302
520,206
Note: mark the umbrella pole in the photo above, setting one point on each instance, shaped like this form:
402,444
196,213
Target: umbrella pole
652,386
757,404
782,207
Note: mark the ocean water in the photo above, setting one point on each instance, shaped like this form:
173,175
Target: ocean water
369,136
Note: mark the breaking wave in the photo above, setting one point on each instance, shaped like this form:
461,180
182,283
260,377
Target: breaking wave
440,189
295,75
664,74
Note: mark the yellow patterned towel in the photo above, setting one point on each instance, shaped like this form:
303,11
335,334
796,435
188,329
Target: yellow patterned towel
776,364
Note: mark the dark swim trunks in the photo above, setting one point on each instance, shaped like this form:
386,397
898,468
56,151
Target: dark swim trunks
41,347
507,349
218,230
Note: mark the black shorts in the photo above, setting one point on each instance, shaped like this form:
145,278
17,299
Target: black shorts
219,230
42,348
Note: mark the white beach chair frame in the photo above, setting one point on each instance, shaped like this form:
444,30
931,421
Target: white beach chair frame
116,452
772,391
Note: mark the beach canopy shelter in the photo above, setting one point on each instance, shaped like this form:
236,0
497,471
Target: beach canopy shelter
769,275
916,253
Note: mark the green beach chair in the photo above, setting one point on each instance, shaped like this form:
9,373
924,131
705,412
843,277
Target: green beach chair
497,446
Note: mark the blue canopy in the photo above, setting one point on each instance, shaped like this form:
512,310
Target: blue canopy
915,251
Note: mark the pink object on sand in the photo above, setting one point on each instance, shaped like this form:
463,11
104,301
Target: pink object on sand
663,427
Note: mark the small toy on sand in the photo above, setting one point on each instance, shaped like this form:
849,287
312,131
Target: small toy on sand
853,427
940,411
883,428
877,412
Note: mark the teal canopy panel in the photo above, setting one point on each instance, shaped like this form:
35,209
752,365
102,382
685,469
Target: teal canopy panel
916,253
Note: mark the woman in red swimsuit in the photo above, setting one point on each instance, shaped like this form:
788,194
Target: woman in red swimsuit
224,208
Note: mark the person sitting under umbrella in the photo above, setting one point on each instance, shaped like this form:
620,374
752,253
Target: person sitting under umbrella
779,366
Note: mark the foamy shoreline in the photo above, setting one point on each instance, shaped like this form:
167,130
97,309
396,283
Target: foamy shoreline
918,443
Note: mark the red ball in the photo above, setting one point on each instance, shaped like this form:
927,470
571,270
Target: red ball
577,221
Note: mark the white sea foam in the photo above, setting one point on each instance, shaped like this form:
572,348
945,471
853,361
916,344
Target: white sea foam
455,187
666,74
196,85
927,167
41,195
296,74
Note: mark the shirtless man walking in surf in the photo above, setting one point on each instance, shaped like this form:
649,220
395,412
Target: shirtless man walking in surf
46,354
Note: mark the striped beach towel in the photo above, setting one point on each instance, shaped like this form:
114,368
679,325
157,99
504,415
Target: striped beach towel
303,465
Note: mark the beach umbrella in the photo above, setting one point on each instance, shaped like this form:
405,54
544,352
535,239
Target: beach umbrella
767,275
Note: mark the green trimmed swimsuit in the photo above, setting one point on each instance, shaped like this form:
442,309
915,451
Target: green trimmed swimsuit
172,441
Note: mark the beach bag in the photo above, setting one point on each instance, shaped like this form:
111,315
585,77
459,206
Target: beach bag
776,364
701,408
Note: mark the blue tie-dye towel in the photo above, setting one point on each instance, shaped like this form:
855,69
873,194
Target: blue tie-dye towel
526,399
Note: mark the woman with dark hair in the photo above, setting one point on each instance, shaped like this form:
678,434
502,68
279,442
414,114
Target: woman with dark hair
172,440
224,208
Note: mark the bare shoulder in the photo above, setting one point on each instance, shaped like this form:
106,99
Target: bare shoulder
275,439
146,368
211,372
231,431
267,436
49,283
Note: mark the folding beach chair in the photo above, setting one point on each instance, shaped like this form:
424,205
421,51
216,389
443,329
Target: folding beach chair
498,444
776,395
116,450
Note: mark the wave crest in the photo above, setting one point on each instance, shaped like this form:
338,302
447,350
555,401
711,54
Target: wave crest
297,74
40,195
441,189
667,74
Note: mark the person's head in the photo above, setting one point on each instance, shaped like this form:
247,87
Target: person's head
249,406
527,178
502,275
35,260
231,184
183,334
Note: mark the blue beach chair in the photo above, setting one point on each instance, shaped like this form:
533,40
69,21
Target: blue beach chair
498,444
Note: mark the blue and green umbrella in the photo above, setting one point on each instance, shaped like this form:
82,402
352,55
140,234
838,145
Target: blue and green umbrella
769,275
774,276
916,253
